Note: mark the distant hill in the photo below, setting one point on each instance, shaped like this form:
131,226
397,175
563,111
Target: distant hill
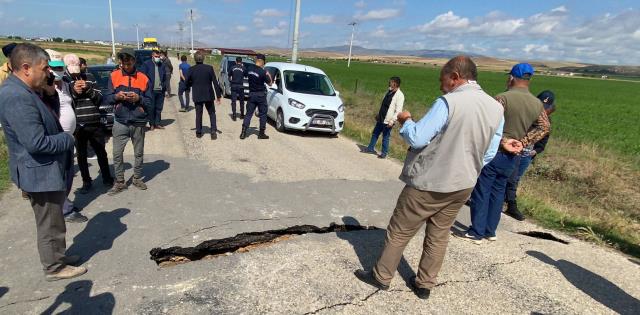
424,53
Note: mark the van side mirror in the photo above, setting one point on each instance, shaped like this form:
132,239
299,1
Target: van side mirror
337,93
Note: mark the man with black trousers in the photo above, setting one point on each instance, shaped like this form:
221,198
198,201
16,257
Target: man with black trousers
236,78
154,69
86,100
258,77
202,81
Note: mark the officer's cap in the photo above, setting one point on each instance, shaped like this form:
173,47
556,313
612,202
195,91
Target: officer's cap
261,56
126,51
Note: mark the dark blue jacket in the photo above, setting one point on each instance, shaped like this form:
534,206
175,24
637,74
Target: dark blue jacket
149,69
129,113
39,151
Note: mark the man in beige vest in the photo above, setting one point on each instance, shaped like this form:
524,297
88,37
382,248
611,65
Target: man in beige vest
449,146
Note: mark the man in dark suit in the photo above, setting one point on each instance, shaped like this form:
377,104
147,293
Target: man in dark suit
200,79
39,153
155,70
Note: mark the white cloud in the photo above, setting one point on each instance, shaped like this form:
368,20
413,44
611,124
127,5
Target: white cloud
87,26
283,24
535,48
258,21
561,9
209,28
68,23
498,27
184,1
269,13
241,28
458,47
274,31
446,22
636,34
319,19
379,32
360,4
382,14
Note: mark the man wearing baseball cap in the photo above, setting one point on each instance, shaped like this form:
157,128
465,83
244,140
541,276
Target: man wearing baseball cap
89,130
5,70
528,154
130,93
258,77
525,120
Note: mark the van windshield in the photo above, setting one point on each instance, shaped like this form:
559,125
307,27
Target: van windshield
308,83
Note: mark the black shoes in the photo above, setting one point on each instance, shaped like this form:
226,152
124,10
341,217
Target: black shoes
241,116
512,211
214,136
198,135
243,134
382,156
368,278
233,117
422,293
86,187
262,135
75,216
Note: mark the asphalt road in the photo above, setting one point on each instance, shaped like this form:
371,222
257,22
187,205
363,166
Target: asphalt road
201,189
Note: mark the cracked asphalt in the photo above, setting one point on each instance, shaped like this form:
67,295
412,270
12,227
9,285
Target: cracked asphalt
201,189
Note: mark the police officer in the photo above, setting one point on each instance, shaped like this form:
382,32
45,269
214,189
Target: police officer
258,77
236,77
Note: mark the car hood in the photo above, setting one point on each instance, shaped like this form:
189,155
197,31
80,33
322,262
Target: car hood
316,101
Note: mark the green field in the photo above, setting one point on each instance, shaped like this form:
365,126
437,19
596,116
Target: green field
599,112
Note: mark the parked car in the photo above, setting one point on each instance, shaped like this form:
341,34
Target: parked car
303,98
226,64
101,74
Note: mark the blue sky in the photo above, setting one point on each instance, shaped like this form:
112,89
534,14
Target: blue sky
587,31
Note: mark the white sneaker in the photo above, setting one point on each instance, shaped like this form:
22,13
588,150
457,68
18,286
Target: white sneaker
491,238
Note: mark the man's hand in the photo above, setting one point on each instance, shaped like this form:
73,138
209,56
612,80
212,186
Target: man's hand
120,96
79,86
512,146
133,97
390,125
403,116
533,153
218,101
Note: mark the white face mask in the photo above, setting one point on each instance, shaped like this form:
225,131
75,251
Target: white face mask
58,75
157,60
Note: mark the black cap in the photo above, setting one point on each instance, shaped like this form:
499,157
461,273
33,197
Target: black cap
548,99
261,56
126,51
8,48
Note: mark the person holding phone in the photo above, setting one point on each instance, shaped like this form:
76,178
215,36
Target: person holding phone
130,93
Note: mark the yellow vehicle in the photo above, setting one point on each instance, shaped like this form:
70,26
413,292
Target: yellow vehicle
150,43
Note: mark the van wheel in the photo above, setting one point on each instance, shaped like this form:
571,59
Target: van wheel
280,121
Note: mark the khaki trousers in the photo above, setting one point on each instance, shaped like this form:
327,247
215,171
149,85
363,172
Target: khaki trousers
414,208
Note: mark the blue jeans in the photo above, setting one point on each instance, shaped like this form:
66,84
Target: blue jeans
386,136
521,165
182,90
488,195
157,103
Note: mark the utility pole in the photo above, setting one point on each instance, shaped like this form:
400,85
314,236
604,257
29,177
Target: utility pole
191,18
353,30
137,37
181,30
113,38
296,26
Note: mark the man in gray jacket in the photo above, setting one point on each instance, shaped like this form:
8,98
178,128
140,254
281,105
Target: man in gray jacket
39,154
449,146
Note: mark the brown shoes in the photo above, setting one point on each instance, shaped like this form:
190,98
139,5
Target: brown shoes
67,272
159,127
139,183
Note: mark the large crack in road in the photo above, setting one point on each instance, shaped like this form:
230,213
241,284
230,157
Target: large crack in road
242,242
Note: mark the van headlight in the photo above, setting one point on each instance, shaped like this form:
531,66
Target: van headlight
296,104
341,108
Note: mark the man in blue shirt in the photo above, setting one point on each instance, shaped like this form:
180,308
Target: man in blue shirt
182,87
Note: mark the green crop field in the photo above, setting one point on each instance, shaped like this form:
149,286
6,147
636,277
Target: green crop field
600,112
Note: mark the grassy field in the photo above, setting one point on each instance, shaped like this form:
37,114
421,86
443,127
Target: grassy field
586,183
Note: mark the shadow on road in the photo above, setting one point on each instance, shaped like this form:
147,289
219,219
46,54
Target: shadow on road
78,294
3,291
151,170
167,122
597,287
368,246
99,234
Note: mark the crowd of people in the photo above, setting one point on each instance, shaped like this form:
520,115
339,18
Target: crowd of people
469,148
